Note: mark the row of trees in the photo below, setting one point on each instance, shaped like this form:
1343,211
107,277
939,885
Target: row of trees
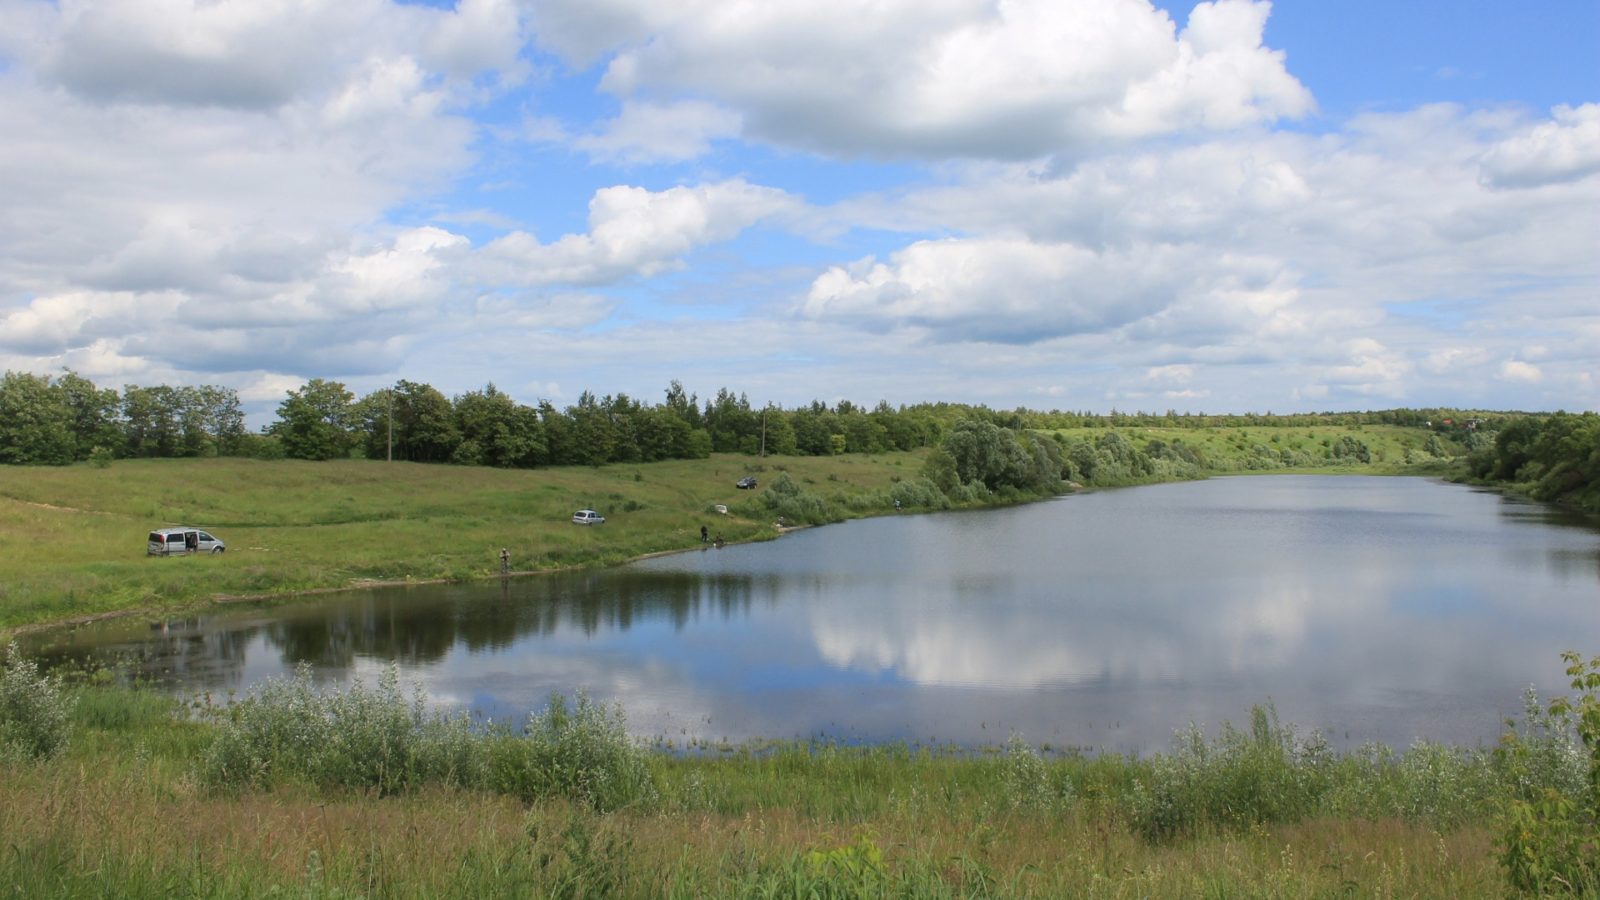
415,422
65,419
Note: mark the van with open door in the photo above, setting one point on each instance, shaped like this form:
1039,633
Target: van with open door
180,540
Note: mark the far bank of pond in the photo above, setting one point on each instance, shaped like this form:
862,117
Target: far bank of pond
1386,609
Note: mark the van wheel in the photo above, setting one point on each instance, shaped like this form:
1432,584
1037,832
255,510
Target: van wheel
216,550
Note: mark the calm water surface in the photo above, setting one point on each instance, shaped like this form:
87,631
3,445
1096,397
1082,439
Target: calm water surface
1385,609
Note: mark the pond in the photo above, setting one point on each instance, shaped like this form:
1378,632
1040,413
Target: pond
1373,609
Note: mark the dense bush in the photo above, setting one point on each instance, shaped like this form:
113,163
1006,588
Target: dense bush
1550,838
33,710
360,737
584,753
794,504
1268,774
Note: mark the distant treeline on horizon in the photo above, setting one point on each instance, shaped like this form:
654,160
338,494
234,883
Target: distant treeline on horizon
67,418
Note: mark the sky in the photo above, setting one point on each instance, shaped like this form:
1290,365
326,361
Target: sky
1226,206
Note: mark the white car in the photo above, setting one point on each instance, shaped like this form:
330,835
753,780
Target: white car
170,541
587,517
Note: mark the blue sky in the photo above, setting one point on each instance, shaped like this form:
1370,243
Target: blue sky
1095,204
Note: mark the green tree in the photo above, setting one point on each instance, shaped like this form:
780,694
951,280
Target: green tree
594,436
221,418
94,412
35,422
152,417
424,423
496,431
314,422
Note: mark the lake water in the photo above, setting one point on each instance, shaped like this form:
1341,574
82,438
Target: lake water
1374,609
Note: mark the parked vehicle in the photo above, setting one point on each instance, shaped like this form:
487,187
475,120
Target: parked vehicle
587,517
182,539
747,483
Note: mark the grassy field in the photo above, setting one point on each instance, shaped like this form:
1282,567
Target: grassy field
72,539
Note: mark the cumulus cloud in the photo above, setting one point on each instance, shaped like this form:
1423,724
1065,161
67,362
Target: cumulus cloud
1283,250
970,78
202,185
633,231
1005,290
1563,149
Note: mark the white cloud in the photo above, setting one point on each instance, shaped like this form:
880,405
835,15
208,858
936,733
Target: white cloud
632,232
650,132
259,54
1261,250
971,78
1005,290
1563,149
1175,372
270,189
1517,370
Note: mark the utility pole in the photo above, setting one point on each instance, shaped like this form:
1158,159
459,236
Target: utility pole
391,425
764,430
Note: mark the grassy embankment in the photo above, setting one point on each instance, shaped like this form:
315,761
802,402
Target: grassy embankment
141,805
1246,449
72,538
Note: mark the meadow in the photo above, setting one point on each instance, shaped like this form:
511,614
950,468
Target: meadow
72,538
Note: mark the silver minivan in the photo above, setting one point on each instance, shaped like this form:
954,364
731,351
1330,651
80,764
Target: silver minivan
172,541
587,517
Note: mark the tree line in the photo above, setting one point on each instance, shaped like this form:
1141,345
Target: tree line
1554,458
67,418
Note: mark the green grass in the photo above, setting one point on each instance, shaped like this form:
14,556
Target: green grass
72,538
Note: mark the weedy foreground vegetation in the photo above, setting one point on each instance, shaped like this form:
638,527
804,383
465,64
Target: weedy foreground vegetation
306,791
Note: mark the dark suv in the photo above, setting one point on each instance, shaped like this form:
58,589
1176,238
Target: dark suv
747,483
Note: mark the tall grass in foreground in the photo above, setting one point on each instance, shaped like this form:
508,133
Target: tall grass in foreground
376,738
361,791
